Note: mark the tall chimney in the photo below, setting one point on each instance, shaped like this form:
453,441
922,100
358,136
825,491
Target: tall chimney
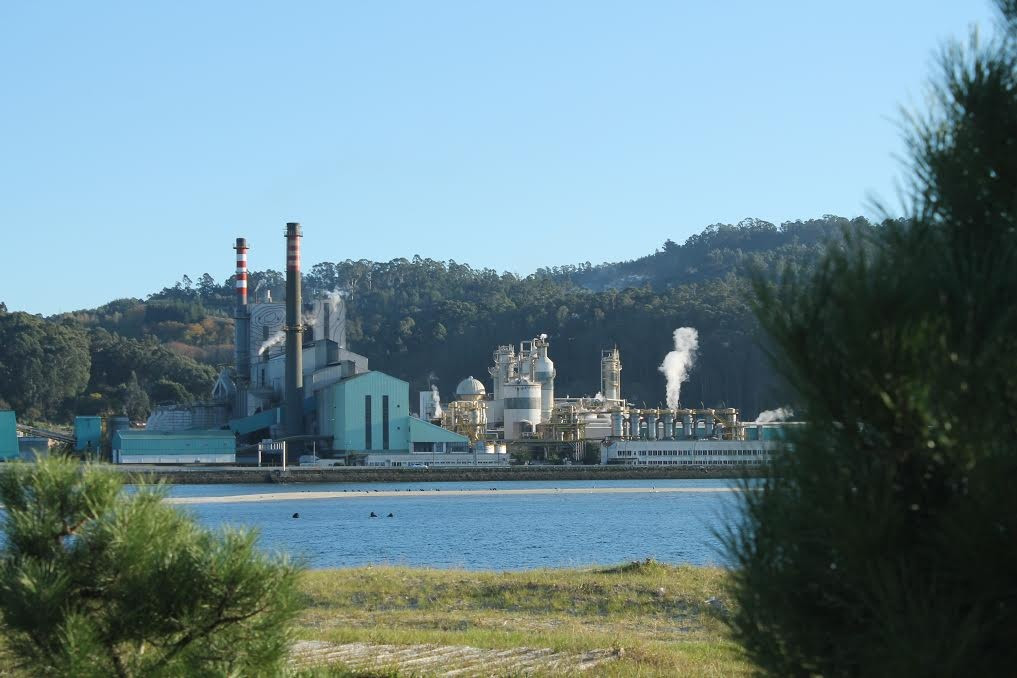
293,396
242,332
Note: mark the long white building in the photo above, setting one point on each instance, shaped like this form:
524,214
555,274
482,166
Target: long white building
687,452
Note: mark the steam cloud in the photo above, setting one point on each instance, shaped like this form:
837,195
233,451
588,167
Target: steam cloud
678,362
779,414
437,401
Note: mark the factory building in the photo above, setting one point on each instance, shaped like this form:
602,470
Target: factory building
753,444
141,446
9,449
304,386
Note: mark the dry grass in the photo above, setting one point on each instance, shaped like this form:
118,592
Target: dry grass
655,617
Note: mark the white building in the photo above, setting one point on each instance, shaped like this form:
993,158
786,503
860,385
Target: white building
688,452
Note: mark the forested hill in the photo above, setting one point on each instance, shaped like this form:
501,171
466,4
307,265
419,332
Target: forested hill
431,321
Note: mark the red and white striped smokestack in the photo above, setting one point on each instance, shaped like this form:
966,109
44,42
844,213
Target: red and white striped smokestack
241,248
242,332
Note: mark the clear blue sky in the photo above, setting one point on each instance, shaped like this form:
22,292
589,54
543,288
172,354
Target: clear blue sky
140,138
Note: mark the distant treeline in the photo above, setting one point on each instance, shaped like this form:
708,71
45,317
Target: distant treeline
429,321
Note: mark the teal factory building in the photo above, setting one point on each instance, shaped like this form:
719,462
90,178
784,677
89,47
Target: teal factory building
367,417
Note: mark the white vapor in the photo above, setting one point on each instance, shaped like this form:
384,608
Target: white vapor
678,362
779,414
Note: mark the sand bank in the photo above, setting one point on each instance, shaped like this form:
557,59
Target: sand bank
357,494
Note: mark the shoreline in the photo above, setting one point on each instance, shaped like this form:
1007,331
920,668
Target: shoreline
360,494
207,475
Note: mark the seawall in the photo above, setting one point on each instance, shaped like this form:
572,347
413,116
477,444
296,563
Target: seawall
192,475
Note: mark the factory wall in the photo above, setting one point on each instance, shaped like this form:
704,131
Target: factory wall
87,434
8,435
191,447
357,426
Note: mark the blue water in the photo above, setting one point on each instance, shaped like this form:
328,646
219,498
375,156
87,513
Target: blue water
486,531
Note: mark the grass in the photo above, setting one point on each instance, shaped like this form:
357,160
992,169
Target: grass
654,616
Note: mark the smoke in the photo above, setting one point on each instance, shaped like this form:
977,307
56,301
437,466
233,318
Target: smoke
779,414
437,401
678,362
599,397
276,339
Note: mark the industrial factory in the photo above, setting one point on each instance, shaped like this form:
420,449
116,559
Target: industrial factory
522,412
296,394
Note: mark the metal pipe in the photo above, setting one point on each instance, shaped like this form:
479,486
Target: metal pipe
242,332
293,396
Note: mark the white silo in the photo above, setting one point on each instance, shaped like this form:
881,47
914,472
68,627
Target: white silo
522,408
543,374
610,375
504,359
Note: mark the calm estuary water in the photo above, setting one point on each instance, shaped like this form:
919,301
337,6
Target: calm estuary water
485,531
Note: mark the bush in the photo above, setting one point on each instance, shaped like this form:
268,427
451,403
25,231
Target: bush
885,541
97,582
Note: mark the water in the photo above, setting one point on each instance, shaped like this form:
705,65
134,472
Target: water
486,531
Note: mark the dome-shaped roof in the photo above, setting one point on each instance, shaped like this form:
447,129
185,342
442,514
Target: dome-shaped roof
470,388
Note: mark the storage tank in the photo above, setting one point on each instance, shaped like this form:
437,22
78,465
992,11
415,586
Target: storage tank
686,416
634,427
543,374
617,424
668,425
651,426
501,372
470,389
522,407
610,374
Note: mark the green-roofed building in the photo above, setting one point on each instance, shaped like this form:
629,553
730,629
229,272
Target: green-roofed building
138,446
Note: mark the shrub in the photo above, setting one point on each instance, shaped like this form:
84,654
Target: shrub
98,582
885,541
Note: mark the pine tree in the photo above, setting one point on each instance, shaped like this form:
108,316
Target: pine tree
98,582
884,542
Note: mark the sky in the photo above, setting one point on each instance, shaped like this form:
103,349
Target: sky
139,139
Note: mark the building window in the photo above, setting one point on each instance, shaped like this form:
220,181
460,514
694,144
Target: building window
367,423
384,422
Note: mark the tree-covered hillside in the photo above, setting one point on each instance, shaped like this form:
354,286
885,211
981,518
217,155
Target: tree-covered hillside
431,321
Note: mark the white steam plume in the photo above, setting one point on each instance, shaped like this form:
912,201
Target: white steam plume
678,362
274,340
779,414
437,401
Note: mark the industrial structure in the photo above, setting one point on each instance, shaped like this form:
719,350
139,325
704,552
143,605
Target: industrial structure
297,392
522,412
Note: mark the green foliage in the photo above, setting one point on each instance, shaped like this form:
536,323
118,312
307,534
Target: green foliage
884,542
96,582
41,363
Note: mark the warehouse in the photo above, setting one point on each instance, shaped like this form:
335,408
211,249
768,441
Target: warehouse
187,447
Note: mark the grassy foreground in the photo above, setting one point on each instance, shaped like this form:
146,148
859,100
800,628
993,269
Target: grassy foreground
656,617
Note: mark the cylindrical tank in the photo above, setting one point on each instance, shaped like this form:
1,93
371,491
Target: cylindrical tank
634,425
500,372
686,424
710,418
522,407
610,374
543,373
617,424
668,425
651,425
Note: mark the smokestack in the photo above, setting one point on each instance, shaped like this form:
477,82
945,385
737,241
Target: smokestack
242,332
293,396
